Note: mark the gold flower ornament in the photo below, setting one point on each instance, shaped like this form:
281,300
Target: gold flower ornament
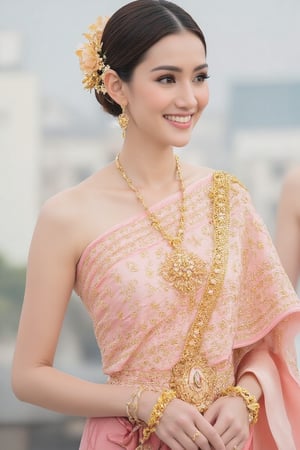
91,58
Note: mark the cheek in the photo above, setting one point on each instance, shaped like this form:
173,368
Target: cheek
157,98
203,97
151,100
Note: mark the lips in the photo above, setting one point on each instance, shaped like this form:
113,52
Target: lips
179,119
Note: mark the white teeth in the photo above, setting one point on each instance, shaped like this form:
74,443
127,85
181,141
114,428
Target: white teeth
180,119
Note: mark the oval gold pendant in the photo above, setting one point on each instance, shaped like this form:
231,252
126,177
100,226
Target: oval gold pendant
195,382
196,377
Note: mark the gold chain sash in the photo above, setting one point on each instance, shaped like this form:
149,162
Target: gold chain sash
192,378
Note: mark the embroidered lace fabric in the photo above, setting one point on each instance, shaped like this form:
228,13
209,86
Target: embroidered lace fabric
140,321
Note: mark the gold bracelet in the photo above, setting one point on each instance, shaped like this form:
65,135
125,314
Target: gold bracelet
158,409
249,399
132,406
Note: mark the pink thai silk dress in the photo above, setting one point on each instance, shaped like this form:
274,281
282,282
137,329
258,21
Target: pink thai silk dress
141,322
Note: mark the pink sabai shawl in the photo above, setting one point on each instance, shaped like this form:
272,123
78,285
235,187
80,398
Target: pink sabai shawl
141,322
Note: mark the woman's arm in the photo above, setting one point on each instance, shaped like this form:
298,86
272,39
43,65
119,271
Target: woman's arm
287,239
51,269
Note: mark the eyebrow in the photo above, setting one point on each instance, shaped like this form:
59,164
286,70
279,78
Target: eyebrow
177,69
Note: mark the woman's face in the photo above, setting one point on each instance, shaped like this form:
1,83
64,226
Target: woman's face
168,90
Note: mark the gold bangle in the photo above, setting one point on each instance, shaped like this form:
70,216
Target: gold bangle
132,406
158,409
250,401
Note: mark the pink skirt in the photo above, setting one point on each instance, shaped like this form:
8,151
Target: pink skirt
111,433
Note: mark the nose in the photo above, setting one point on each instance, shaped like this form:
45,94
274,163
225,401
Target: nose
186,96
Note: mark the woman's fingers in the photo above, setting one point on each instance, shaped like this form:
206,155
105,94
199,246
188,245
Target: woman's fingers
209,437
180,440
183,427
183,437
229,417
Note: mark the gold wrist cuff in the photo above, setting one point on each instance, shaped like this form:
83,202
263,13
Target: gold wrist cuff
158,409
250,401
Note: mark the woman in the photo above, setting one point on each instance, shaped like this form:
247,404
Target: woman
192,311
288,225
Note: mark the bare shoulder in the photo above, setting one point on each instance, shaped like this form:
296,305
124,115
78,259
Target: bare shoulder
62,208
290,192
56,227
291,187
193,173
66,207
77,213
292,179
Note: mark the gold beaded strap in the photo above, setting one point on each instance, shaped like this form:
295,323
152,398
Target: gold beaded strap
192,378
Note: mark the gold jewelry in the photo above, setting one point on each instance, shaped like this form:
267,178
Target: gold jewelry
195,435
123,121
193,379
91,58
132,406
158,409
250,401
184,270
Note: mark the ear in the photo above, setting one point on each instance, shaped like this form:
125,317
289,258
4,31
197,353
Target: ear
115,87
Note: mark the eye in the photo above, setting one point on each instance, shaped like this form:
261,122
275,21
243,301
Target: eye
201,77
166,79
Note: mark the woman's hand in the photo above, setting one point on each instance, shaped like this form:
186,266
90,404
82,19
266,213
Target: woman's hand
182,427
230,418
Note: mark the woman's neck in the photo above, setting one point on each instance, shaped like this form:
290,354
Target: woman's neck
149,168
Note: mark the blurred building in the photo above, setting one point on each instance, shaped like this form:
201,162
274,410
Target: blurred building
70,150
264,139
42,151
44,148
19,146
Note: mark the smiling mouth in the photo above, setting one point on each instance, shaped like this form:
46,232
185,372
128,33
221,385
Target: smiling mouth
179,119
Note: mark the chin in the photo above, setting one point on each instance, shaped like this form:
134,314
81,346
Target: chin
179,143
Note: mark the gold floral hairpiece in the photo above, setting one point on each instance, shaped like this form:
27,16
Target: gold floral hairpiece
91,58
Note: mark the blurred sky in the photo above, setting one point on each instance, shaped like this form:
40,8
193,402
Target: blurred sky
247,41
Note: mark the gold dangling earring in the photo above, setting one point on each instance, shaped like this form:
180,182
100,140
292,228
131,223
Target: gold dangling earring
123,121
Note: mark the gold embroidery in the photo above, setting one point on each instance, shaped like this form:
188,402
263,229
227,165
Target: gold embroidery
234,179
193,379
103,274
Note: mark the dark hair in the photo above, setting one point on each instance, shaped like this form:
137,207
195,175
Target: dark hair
132,30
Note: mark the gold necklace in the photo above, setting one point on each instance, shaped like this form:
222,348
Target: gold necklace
184,270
